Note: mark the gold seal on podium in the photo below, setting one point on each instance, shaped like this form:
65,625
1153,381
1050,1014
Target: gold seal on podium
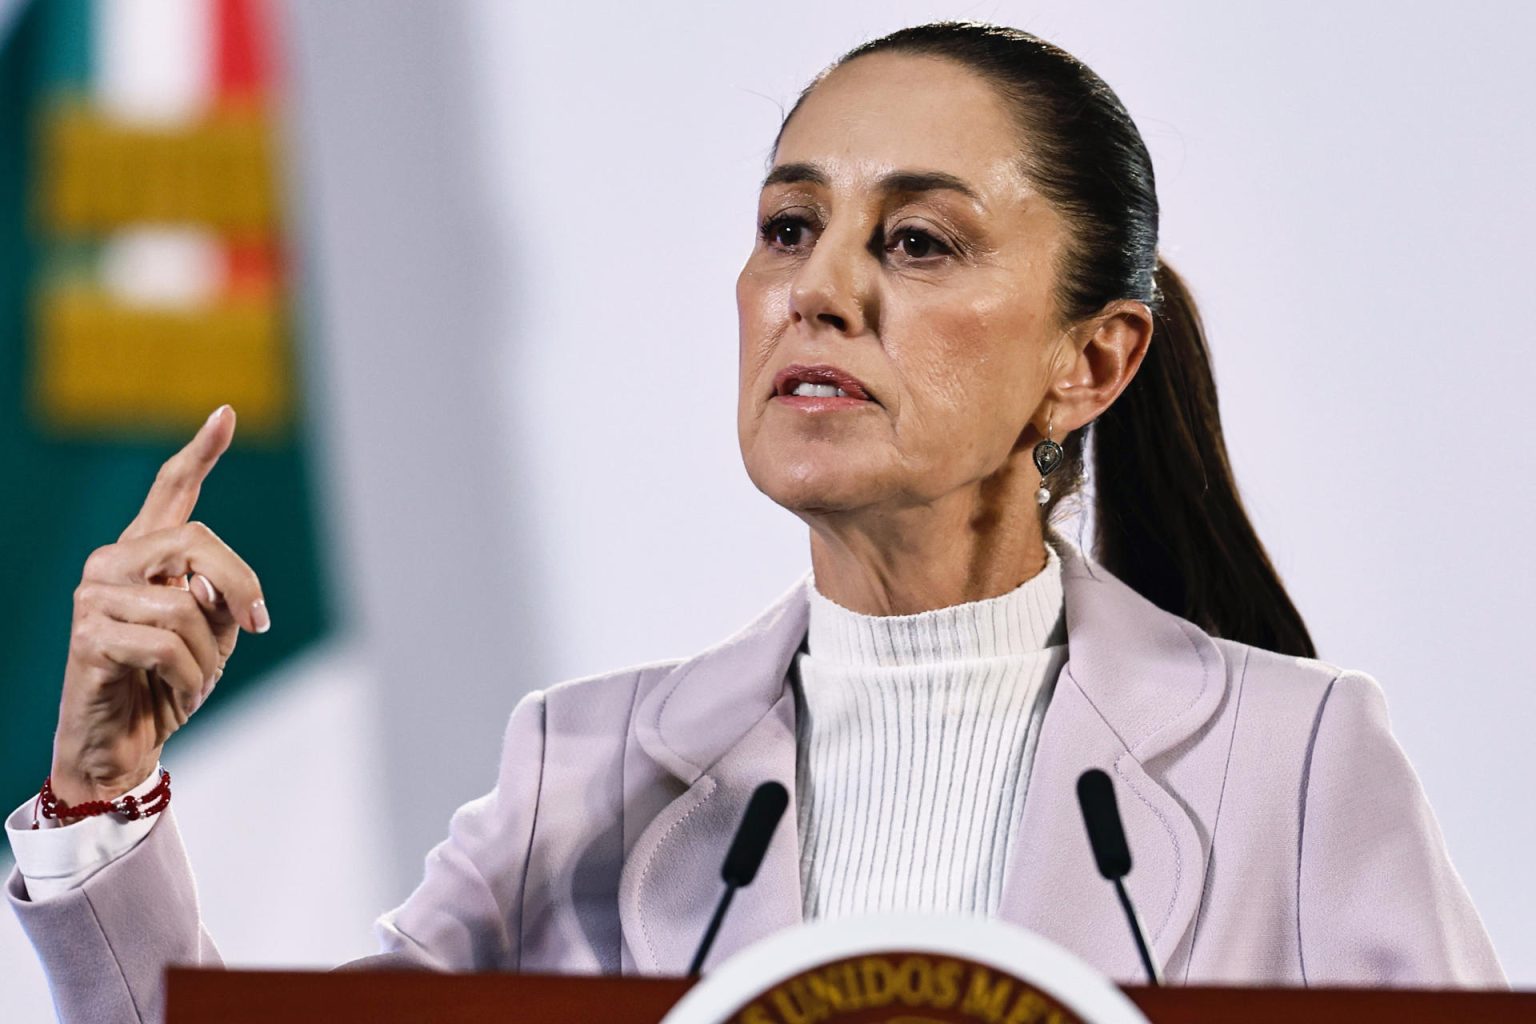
905,988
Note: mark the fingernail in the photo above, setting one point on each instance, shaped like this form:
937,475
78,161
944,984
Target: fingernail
206,588
260,618
215,414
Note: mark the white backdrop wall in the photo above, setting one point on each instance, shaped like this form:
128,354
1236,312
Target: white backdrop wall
521,224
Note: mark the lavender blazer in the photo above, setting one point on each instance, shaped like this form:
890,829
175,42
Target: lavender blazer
1279,834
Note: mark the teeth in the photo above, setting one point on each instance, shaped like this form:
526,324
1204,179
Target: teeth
806,389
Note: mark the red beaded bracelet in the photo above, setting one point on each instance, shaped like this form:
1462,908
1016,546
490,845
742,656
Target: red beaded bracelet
130,807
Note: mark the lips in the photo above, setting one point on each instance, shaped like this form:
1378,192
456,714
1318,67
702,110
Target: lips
785,382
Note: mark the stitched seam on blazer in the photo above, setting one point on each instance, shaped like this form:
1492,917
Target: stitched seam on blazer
96,919
1301,826
1205,684
1178,860
1221,796
645,932
538,800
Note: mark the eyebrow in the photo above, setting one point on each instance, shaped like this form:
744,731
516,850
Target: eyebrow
896,182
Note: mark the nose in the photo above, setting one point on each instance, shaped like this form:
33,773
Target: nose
834,286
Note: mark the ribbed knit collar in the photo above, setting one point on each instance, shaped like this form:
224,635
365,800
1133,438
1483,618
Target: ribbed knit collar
1025,620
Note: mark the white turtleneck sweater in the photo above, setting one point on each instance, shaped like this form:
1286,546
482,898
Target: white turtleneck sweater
916,734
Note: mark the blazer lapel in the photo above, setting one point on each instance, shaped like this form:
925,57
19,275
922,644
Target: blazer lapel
720,724
1137,682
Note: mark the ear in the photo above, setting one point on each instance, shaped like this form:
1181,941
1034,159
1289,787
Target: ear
1095,363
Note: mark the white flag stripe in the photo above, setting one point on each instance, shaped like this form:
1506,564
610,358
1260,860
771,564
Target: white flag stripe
164,266
153,59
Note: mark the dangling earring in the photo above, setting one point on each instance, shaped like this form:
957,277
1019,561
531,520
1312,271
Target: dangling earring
1048,455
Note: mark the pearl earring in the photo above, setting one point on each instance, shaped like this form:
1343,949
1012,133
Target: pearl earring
1048,455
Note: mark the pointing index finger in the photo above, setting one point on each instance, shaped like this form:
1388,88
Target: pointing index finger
174,493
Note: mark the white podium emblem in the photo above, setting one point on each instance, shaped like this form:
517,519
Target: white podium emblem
905,969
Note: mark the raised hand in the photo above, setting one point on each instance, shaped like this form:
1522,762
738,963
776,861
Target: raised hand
156,617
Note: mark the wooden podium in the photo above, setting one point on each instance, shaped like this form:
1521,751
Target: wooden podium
419,997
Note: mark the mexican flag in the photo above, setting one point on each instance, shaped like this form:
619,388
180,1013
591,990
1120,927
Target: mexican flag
142,284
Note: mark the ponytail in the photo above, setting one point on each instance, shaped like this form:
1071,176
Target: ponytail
1169,519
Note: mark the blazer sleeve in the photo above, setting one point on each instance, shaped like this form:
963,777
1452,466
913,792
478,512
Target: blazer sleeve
1378,899
105,945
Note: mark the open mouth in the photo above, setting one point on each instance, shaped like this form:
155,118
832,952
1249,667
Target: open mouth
820,382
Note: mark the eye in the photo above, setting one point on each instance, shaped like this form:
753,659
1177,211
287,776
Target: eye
786,231
917,244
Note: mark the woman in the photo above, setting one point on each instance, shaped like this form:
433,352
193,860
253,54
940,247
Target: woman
955,278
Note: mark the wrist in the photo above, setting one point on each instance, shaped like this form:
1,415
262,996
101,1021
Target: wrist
73,786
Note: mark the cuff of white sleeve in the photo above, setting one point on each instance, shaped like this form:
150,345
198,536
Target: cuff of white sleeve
54,858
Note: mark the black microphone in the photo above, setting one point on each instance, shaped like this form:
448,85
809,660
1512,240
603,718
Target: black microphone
1096,796
745,856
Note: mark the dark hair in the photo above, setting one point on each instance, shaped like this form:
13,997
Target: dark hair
1168,518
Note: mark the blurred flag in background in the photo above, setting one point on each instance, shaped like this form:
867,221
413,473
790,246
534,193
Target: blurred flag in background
141,285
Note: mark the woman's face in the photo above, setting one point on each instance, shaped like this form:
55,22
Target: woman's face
901,252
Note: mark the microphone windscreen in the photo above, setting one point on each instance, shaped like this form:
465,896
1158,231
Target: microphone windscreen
751,843
1096,795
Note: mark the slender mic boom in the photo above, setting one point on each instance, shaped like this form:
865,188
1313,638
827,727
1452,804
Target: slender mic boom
745,856
1101,815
